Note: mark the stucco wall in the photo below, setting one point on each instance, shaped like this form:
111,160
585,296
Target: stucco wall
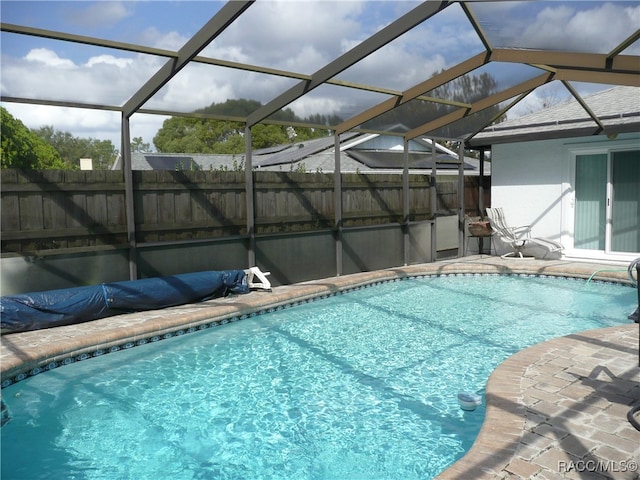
532,182
527,183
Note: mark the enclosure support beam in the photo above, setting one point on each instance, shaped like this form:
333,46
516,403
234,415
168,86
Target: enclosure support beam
461,232
415,91
587,62
128,197
481,184
608,78
480,105
337,202
214,27
481,197
248,176
433,201
405,204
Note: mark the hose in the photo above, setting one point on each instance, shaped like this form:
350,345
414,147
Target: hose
604,270
629,271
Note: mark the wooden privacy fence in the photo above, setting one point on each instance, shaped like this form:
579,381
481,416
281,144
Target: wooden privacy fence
53,211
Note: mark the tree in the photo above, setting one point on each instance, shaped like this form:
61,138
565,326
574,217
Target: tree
72,149
198,135
137,145
21,148
541,99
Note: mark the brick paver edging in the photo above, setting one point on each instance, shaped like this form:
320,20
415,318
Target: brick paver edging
558,410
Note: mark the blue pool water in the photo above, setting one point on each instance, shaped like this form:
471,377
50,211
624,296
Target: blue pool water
361,385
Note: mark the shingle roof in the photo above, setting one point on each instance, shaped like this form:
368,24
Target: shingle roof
296,152
315,155
618,109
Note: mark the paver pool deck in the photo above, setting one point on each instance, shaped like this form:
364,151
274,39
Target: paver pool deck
555,410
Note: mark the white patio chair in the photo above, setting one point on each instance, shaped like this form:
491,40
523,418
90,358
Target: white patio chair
519,239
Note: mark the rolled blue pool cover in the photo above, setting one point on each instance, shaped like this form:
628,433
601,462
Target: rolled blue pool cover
34,311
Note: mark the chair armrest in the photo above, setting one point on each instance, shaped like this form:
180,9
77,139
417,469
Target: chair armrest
522,231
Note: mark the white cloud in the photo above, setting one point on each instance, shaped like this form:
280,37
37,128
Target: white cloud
103,125
102,79
305,107
191,89
599,28
569,26
48,58
275,32
109,60
395,67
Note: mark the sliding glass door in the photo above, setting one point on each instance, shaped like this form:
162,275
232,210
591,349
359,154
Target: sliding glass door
607,202
625,212
591,201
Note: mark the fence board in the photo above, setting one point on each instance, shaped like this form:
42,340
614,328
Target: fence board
10,219
116,212
30,212
182,206
55,211
83,208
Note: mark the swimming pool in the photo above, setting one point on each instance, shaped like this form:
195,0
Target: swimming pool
359,385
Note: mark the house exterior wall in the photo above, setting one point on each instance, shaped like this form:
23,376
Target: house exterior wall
533,183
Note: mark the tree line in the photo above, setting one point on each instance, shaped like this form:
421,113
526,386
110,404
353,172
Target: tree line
47,148
202,135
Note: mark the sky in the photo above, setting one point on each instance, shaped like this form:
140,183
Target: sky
294,35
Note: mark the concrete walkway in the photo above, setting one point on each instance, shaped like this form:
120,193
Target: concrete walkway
555,410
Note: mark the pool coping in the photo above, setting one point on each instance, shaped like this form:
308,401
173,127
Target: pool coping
529,396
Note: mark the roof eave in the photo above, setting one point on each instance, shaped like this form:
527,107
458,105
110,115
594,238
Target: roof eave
488,140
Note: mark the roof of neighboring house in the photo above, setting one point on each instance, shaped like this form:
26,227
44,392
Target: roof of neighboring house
364,153
617,109
394,159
